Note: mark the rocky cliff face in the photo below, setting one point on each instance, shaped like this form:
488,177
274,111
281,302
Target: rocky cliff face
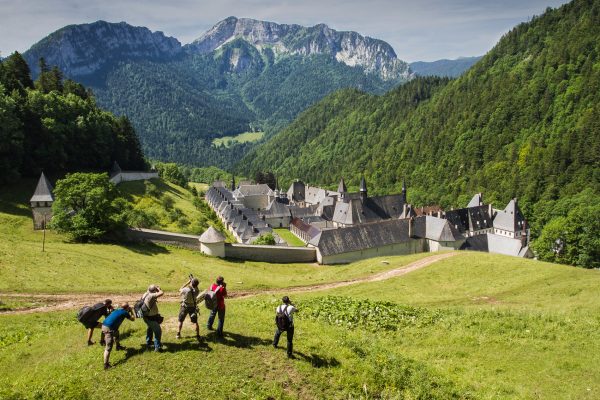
80,50
374,56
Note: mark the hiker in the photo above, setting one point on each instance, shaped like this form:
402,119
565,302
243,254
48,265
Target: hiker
152,318
110,328
90,315
219,287
189,292
284,322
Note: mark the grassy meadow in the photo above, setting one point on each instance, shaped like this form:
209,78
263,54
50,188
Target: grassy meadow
473,326
241,138
289,237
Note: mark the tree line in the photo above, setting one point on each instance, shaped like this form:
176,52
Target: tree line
53,124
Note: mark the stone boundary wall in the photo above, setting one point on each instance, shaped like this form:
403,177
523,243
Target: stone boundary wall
177,239
133,176
274,254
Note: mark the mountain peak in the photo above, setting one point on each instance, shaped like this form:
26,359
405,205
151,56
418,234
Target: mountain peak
83,49
373,55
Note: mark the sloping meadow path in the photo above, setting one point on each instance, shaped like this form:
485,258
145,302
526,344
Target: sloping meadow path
59,302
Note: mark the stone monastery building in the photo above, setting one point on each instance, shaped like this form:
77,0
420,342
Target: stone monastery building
345,227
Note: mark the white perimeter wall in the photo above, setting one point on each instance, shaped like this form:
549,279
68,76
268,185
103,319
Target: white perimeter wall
133,176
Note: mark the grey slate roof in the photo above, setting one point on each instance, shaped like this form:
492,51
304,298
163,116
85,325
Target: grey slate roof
361,237
211,235
310,230
470,219
43,191
434,228
477,200
497,244
254,190
277,210
510,219
354,211
314,195
246,223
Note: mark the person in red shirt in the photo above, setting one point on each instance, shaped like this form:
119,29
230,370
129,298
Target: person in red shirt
219,287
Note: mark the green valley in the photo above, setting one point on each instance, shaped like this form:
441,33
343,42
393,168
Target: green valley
522,122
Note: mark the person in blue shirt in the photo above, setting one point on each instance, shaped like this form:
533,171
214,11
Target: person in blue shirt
110,328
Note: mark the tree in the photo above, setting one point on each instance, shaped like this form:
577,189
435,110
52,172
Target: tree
266,239
16,73
172,173
87,207
11,138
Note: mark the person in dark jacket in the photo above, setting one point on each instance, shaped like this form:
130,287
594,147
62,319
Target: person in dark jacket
287,309
92,319
219,287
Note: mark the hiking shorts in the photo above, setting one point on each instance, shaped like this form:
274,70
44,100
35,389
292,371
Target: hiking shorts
191,311
110,337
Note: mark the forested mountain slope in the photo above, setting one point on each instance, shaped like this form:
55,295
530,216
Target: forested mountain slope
54,125
524,121
241,75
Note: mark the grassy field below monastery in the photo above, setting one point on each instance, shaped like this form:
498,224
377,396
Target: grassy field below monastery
473,326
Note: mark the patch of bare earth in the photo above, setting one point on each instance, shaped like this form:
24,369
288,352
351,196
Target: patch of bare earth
61,302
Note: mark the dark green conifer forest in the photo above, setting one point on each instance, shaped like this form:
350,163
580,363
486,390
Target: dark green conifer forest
54,125
523,122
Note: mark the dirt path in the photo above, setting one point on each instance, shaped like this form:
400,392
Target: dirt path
59,302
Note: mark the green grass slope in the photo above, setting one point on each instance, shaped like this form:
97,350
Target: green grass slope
474,326
123,268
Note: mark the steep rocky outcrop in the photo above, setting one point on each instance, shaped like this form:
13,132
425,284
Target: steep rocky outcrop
374,56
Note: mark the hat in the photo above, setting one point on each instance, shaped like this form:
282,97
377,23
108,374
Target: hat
195,282
152,288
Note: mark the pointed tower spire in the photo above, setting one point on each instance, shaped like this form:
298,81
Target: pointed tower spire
342,188
232,182
403,190
363,189
43,191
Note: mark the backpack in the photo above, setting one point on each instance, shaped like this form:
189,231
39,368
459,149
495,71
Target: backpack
140,308
282,319
84,314
210,298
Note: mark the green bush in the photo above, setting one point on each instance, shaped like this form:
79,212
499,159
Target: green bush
87,207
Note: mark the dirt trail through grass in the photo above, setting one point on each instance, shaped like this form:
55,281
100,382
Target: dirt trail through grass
59,302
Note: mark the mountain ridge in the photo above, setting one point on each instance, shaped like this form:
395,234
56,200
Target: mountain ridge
349,47
180,98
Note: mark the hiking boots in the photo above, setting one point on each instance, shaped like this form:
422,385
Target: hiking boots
178,336
107,366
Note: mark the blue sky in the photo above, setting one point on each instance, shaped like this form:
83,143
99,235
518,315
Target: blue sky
419,30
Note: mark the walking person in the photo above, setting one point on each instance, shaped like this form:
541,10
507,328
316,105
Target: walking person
152,317
219,288
90,315
284,322
189,292
110,328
